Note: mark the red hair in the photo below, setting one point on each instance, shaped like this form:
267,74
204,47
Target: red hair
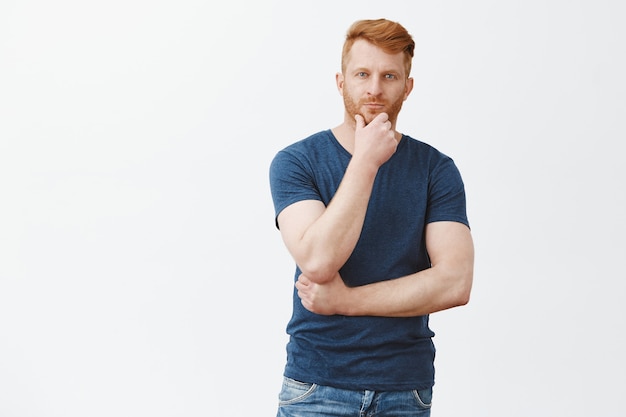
390,36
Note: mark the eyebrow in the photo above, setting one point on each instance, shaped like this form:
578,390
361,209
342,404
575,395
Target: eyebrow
385,71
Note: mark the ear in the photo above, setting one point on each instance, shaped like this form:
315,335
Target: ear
408,87
339,81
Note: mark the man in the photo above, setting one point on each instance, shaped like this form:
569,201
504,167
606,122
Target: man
376,223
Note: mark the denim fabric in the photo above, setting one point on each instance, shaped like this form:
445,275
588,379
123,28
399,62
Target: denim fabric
300,399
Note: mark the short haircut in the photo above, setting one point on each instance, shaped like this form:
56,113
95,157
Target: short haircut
390,36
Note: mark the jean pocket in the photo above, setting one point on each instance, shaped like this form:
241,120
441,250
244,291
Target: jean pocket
294,391
424,397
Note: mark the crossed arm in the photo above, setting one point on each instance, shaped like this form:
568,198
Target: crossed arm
445,285
321,239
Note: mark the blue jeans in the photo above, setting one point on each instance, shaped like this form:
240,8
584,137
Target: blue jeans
300,399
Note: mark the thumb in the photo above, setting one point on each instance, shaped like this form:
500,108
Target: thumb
360,121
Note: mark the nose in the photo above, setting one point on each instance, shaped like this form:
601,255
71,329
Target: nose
374,87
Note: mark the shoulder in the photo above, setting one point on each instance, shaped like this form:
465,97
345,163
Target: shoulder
422,147
310,151
427,155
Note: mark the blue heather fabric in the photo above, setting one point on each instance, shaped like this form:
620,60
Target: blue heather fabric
416,186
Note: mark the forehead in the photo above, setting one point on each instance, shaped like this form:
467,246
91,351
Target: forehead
364,54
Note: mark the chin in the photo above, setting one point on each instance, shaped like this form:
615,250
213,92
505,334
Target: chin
370,115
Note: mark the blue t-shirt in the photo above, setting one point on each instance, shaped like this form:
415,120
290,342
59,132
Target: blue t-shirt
416,186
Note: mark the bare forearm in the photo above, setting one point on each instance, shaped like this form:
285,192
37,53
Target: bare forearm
418,294
445,285
321,239
328,242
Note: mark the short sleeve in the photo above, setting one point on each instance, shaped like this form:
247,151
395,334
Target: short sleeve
446,200
291,180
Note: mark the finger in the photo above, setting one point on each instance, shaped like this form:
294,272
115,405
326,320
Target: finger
360,121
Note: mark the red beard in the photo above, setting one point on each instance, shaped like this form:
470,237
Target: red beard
353,108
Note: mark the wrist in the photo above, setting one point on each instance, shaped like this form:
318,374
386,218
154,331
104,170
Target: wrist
364,167
346,305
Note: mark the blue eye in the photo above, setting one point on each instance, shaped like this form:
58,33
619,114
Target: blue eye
361,74
390,76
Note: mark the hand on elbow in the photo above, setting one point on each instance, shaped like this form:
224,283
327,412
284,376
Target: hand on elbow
324,299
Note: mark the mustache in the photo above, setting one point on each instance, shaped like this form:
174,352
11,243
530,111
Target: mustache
373,101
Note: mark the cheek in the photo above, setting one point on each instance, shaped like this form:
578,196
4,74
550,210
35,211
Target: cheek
351,93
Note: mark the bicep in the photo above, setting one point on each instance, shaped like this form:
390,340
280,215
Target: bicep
450,244
451,250
295,219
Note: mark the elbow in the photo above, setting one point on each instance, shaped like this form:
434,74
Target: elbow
463,289
458,287
463,298
317,266
317,272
